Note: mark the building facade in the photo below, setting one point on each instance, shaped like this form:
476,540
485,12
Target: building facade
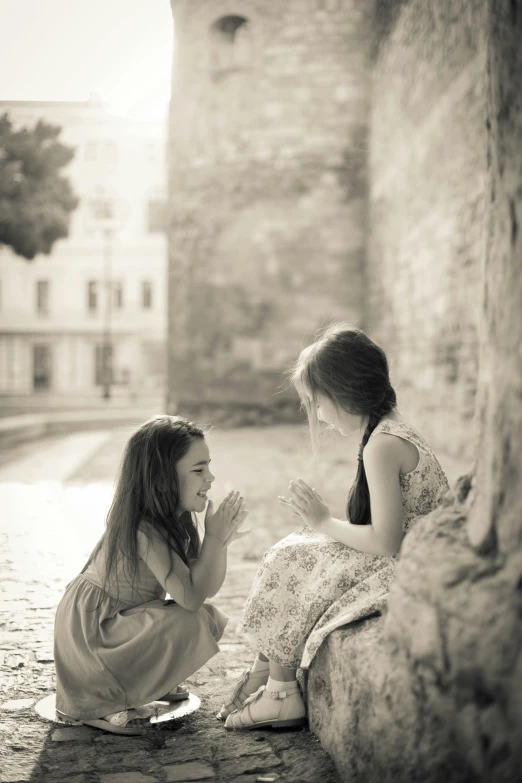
89,320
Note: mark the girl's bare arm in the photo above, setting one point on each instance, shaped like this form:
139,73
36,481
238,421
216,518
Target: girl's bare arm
189,587
382,463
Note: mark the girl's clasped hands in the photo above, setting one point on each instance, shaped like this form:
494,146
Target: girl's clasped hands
225,522
306,504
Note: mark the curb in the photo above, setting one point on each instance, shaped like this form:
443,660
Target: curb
27,427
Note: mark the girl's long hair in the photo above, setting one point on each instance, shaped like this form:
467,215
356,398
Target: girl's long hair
147,492
348,368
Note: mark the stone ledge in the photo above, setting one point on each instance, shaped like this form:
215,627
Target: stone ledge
432,690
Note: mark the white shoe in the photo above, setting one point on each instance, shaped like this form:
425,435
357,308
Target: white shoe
269,709
246,685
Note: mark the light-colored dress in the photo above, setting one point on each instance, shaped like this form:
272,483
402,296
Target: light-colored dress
114,653
308,584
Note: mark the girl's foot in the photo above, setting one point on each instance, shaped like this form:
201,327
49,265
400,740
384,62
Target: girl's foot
130,722
270,708
246,685
178,694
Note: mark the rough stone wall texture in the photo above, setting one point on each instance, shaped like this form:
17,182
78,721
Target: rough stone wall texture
268,191
427,164
433,691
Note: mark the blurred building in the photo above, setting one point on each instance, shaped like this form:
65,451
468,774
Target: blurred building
54,311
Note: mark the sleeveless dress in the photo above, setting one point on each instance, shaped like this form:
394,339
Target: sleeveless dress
308,584
123,650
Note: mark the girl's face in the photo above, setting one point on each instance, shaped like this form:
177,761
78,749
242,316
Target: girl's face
194,477
336,417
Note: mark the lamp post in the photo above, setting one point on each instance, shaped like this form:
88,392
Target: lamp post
107,337
106,215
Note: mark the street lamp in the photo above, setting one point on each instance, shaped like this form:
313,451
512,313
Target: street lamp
106,215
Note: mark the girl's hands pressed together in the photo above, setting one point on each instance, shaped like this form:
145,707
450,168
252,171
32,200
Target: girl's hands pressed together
306,503
224,523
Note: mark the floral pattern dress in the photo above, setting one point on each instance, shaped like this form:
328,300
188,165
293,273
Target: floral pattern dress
308,584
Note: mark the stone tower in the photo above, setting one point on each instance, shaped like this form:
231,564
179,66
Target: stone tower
268,193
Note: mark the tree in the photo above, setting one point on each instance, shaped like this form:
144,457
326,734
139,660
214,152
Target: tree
35,199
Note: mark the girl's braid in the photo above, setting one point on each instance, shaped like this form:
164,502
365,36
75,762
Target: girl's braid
385,406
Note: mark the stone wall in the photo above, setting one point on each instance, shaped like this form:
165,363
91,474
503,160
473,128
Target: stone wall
268,193
432,691
427,163
281,115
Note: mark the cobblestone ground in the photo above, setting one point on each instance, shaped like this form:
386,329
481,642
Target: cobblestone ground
53,498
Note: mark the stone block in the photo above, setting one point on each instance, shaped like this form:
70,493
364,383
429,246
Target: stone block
179,773
432,690
127,777
76,734
250,764
13,705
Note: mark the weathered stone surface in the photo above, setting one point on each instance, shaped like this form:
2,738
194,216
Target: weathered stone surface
127,777
249,764
495,517
16,704
426,190
391,705
13,772
186,772
79,734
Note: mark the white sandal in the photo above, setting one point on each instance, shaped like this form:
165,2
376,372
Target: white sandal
117,722
178,695
239,695
291,712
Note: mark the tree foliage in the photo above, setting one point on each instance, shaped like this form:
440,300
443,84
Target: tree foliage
35,199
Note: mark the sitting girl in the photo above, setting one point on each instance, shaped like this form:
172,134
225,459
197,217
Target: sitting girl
118,644
332,572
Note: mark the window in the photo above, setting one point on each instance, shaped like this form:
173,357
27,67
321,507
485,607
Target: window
92,296
103,365
157,216
110,152
117,294
42,297
146,295
90,151
103,151
152,151
230,43
42,360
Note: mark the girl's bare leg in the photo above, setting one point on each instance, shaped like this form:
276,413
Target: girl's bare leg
281,673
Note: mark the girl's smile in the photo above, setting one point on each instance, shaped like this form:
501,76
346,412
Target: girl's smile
194,476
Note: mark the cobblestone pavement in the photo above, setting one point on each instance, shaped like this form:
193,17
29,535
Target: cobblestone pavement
53,498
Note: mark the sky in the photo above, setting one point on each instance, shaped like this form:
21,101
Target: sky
63,50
